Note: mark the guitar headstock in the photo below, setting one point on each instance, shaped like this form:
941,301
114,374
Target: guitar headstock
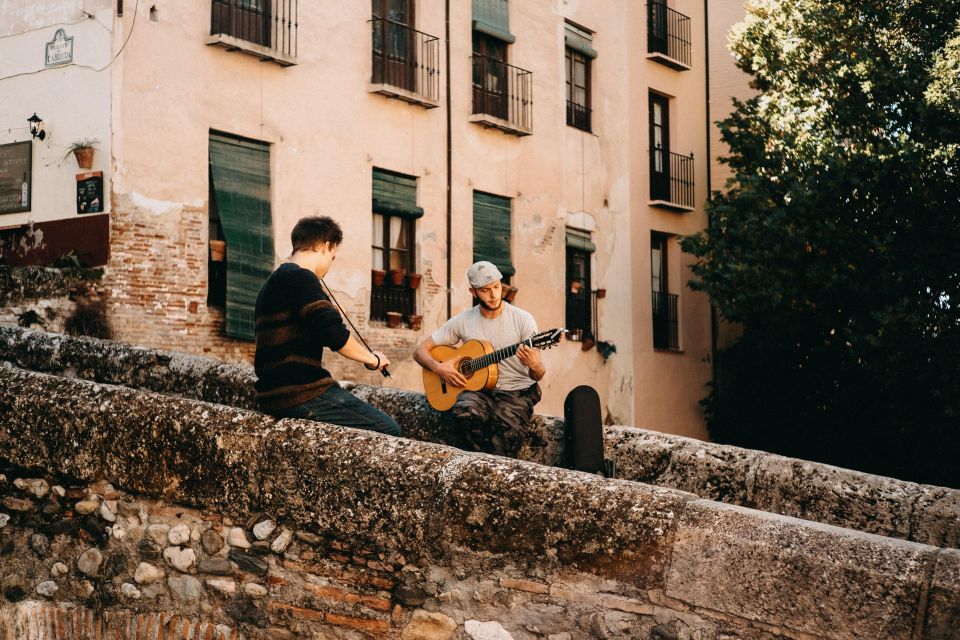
546,339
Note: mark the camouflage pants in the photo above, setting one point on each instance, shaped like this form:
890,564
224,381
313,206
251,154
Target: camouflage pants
495,421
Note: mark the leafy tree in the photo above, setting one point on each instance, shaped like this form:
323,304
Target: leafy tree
836,244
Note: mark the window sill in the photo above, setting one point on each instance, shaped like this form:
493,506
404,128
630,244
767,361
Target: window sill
266,54
399,93
667,61
677,350
673,206
493,122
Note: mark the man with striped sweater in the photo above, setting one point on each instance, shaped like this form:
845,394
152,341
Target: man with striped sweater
294,322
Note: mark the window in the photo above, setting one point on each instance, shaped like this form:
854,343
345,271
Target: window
668,36
240,211
579,53
248,20
579,294
659,147
394,56
665,318
491,232
395,212
490,91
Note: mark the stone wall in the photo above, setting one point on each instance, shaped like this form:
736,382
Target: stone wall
393,538
754,479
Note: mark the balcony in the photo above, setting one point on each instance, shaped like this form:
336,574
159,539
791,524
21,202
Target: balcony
406,63
668,36
266,29
671,180
666,325
502,96
578,116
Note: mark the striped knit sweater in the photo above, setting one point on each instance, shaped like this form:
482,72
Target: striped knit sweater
294,322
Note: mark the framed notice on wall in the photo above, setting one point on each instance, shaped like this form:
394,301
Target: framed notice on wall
90,192
16,176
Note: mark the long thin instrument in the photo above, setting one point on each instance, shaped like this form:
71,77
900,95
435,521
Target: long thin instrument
326,289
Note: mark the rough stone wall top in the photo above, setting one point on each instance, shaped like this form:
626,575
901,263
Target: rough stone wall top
757,570
754,479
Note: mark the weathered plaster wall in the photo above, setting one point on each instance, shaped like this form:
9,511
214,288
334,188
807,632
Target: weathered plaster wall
744,477
506,541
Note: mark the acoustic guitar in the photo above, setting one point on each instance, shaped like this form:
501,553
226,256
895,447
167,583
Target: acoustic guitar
477,361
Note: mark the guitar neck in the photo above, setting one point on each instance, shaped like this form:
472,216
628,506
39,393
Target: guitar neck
495,357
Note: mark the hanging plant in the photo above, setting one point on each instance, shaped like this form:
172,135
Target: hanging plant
606,349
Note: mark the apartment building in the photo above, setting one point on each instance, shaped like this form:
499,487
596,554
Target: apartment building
564,141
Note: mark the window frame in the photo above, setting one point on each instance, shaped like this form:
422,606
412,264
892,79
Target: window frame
572,57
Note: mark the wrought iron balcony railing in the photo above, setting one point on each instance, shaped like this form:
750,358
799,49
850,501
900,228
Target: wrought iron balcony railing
406,63
265,28
668,36
502,96
387,297
666,325
671,179
578,116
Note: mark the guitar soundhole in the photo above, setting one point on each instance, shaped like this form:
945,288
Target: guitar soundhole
464,368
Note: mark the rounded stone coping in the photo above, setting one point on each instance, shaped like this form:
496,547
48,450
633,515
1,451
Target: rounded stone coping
750,478
400,494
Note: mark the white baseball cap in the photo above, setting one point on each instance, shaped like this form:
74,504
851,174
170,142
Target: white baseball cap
482,273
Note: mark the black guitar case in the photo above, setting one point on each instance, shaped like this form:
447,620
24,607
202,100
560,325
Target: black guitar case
584,433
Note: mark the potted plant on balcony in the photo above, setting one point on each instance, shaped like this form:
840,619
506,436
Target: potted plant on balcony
394,318
378,276
413,280
82,150
415,321
510,294
606,349
396,277
218,250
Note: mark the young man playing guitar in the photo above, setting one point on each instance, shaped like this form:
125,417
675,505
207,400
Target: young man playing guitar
492,421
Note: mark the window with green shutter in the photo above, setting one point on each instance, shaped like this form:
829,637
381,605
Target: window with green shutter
240,194
491,231
395,213
492,17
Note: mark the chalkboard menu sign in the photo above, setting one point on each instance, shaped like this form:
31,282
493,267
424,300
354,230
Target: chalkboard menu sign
90,192
16,176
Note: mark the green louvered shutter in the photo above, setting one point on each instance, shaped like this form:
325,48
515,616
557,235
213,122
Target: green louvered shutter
491,231
577,239
492,17
395,194
240,170
579,40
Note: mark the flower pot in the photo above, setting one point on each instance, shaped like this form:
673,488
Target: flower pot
575,287
394,318
601,293
218,250
416,321
396,277
413,280
84,156
587,344
378,276
510,294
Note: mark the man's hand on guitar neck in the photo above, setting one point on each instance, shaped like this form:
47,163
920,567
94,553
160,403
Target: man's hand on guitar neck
531,357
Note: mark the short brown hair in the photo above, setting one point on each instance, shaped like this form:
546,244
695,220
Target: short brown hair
313,230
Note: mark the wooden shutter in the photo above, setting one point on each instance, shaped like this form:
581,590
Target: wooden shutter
579,40
240,170
492,17
491,231
395,194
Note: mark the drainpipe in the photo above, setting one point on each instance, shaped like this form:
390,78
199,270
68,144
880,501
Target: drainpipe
714,358
446,10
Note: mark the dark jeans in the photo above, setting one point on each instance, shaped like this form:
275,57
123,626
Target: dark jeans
495,421
340,407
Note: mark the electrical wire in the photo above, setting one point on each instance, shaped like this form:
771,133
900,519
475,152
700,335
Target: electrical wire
81,66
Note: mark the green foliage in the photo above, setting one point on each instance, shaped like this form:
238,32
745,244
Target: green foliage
835,244
606,349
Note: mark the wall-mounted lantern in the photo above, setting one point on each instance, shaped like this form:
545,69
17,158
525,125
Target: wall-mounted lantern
36,127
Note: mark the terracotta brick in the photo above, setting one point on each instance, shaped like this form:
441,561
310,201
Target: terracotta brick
626,604
374,602
380,566
364,624
524,585
296,612
334,593
573,596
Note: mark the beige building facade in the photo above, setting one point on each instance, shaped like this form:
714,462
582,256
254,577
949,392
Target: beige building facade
566,141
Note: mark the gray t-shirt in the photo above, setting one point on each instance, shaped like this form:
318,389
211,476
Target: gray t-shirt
509,328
